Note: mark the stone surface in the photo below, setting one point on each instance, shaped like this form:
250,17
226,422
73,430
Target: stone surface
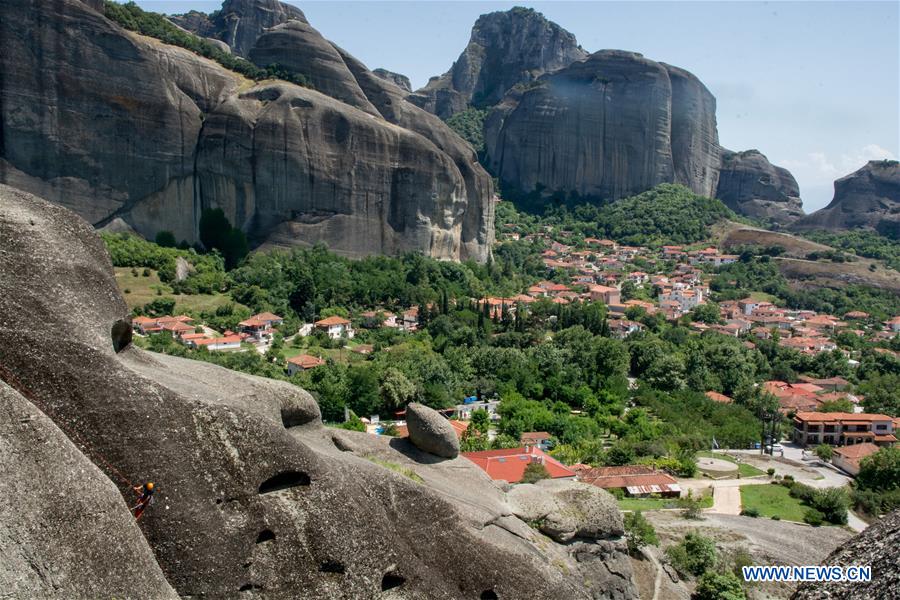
253,494
505,48
398,79
750,185
65,531
116,125
875,547
430,431
868,198
565,510
610,126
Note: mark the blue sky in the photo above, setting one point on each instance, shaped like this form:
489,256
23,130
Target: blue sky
813,85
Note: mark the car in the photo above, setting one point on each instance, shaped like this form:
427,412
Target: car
775,448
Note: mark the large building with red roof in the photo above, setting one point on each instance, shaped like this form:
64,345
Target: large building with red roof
633,480
843,429
509,464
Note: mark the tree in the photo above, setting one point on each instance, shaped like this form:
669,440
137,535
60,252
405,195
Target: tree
706,313
166,239
160,307
534,472
216,233
880,471
824,451
639,532
718,586
838,405
396,389
694,555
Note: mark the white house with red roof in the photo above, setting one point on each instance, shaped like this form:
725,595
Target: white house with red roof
303,362
261,327
336,327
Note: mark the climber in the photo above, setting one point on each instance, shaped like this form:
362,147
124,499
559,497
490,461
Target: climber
146,497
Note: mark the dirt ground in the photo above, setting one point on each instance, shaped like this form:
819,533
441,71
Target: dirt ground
768,542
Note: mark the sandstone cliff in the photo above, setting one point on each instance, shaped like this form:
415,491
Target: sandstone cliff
115,125
398,79
750,185
253,495
505,49
868,198
610,126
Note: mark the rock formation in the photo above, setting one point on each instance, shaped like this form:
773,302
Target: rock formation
253,494
116,125
610,126
565,510
505,49
868,198
875,547
398,79
750,185
431,432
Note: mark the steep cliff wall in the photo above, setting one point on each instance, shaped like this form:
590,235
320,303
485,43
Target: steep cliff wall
115,125
750,185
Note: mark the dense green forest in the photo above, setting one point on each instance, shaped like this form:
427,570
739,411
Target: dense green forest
863,243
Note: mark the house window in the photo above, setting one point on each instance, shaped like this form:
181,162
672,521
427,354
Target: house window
881,427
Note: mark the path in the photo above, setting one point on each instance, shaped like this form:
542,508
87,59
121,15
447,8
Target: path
727,500
657,583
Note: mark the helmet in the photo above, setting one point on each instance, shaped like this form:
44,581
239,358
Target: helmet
149,486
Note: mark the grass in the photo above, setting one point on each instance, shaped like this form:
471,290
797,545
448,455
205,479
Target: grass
744,469
142,290
658,503
772,500
339,356
407,472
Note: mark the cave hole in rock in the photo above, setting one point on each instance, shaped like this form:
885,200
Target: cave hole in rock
249,587
284,481
332,566
489,595
391,580
121,335
265,535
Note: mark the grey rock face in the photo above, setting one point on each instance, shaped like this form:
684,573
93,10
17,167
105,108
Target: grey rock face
750,185
65,531
253,493
605,128
868,198
113,125
398,79
505,49
565,510
430,431
875,547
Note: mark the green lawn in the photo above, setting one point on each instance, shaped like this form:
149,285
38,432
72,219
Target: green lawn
657,503
744,469
141,290
772,500
340,356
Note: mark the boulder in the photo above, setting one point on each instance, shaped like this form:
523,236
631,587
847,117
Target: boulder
868,198
430,431
750,185
505,49
566,510
115,125
254,495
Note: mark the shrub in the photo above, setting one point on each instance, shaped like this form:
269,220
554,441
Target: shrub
824,451
719,586
789,478
639,532
776,518
813,517
534,472
694,555
832,503
750,512
802,492
692,506
770,471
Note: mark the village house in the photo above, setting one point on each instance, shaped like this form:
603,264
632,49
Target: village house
509,464
261,327
893,324
636,481
148,325
336,327
541,439
843,429
303,362
464,411
217,344
372,319
622,328
604,294
847,458
717,397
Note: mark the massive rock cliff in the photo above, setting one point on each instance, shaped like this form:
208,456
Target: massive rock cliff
506,48
868,198
750,185
116,125
253,494
607,127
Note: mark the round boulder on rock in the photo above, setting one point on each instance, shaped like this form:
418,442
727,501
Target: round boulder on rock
431,432
565,510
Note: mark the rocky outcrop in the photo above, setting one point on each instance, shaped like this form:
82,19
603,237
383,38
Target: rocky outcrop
430,432
604,128
398,79
239,23
876,547
868,198
115,125
253,494
505,49
565,510
750,185
65,531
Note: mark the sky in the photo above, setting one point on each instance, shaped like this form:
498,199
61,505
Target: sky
815,86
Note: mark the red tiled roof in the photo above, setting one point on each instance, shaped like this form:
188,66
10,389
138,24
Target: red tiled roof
864,418
306,361
534,436
629,476
220,340
509,464
717,397
334,320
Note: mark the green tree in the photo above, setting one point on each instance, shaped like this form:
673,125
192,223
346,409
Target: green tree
718,586
694,555
166,239
824,451
880,471
396,389
639,532
534,472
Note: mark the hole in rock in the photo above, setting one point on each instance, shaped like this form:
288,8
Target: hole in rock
488,595
249,587
121,335
265,535
391,580
283,481
332,566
